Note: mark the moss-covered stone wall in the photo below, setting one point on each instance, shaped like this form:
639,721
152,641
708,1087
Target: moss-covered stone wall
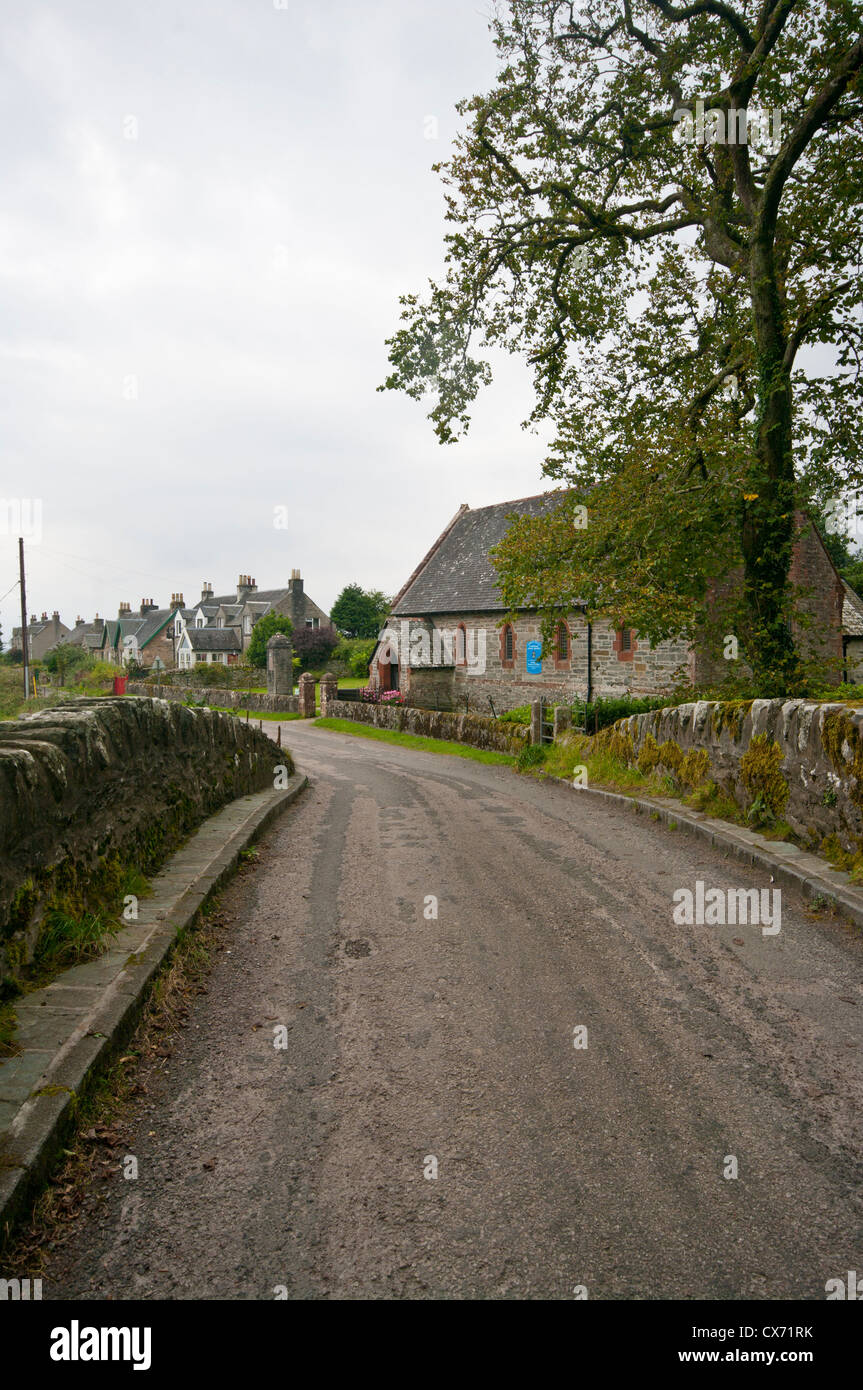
474,729
804,759
94,789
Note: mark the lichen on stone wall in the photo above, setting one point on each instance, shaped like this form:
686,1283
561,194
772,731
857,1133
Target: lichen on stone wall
841,740
730,716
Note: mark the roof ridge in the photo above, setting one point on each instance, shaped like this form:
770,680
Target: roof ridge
463,509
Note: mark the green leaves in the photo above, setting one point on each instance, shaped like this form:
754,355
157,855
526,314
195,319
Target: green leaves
663,291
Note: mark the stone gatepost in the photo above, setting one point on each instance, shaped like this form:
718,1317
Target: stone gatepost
536,721
280,665
307,695
329,690
562,720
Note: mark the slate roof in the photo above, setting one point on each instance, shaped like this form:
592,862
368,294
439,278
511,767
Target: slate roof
852,612
457,575
213,639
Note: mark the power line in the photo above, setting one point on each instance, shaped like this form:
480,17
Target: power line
148,574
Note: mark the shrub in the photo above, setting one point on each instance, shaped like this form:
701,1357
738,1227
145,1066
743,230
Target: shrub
357,654
694,768
371,696
619,745
648,757
603,712
265,628
671,755
314,645
759,772
211,673
519,715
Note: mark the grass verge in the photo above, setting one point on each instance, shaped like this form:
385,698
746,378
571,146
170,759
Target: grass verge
95,1153
255,714
423,745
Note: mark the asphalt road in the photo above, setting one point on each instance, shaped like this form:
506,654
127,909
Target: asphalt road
412,1037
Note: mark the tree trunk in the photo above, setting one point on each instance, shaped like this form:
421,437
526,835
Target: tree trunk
768,511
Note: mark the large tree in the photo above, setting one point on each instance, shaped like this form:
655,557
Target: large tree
661,264
359,612
265,628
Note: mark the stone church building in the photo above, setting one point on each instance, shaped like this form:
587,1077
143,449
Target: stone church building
445,644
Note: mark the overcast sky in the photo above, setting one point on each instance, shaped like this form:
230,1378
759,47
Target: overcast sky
209,209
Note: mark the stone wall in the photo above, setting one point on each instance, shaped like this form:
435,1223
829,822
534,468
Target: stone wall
94,788
217,695
642,670
474,729
821,747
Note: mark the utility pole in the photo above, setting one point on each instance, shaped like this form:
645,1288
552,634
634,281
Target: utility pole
25,634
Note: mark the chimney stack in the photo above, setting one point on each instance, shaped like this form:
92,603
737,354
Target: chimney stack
147,606
177,601
123,611
206,591
245,586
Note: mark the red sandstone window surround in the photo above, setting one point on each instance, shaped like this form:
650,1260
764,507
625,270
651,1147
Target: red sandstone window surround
625,644
507,647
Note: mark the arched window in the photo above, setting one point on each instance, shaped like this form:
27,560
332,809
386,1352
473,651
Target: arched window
563,642
507,647
625,644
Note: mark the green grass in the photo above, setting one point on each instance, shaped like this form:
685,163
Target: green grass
423,745
67,940
254,714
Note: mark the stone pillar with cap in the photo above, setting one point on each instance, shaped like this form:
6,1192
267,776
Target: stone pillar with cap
307,695
280,665
329,690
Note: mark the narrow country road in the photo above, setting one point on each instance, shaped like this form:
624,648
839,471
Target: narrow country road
412,1038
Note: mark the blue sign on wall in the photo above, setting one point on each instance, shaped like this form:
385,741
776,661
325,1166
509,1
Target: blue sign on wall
533,651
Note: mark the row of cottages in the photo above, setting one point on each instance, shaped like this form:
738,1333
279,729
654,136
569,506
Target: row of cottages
446,645
217,629
42,634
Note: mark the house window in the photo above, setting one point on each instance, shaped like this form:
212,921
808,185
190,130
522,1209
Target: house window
247,625
200,622
308,622
625,644
507,647
461,645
